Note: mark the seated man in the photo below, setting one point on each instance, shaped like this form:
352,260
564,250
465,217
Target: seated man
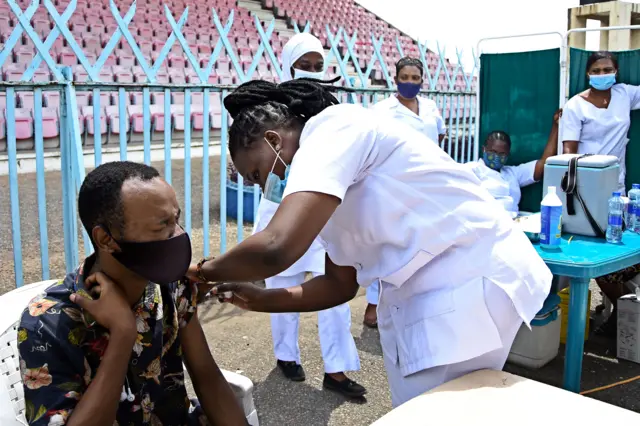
106,345
504,182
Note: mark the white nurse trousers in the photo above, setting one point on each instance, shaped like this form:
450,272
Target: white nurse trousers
507,322
334,328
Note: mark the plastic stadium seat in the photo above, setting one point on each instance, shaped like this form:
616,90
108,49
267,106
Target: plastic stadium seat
177,98
113,118
82,99
50,123
177,61
52,99
23,54
157,118
136,98
177,77
135,114
87,114
123,74
125,58
25,100
24,123
157,98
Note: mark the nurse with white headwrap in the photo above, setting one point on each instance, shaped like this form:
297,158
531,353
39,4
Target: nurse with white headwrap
303,57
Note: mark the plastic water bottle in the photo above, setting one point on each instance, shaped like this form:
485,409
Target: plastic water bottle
616,209
550,220
634,208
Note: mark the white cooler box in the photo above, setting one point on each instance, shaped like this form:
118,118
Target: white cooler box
597,178
537,347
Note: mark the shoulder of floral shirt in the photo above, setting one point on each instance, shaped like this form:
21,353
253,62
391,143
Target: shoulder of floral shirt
54,304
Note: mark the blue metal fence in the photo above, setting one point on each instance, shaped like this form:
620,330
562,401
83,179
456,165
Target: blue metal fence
159,125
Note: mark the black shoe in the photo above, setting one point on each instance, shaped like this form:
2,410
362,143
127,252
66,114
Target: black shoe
292,370
346,387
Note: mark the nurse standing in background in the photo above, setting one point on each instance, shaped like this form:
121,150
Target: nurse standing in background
504,182
597,121
303,57
420,113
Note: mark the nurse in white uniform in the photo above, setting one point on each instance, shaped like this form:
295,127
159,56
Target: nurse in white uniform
504,182
420,113
597,121
456,278
303,57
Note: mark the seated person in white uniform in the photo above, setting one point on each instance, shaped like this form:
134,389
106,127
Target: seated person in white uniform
597,121
457,278
504,182
420,113
303,57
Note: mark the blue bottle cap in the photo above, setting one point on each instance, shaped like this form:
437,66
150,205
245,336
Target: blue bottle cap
616,194
635,186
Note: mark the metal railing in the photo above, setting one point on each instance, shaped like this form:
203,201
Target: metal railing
164,127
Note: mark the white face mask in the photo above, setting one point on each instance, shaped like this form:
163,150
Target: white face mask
308,74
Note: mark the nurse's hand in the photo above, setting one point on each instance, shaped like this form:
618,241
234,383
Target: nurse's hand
243,295
557,116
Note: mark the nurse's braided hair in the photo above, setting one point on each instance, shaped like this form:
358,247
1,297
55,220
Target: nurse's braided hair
258,105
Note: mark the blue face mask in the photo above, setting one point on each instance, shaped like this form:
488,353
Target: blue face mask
408,90
603,81
494,161
274,185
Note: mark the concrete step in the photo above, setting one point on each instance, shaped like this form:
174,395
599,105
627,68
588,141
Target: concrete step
264,15
250,5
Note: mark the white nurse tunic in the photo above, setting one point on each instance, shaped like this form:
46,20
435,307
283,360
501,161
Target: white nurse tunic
505,185
428,121
602,130
457,279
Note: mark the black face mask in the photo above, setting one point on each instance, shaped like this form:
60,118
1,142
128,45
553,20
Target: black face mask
161,262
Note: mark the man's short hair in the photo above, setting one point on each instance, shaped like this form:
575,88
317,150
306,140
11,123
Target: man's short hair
100,197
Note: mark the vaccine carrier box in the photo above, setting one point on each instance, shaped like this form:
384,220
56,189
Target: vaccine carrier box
596,178
535,347
629,327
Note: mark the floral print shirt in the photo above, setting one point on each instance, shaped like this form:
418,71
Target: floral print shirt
61,347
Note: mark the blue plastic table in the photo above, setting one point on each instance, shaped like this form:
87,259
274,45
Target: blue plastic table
582,259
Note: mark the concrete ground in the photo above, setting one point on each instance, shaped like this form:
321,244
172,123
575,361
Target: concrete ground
241,341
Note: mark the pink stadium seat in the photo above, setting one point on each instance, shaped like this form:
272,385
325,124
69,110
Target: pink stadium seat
113,118
24,123
23,54
87,115
123,74
177,61
157,98
82,99
177,98
80,74
52,99
25,100
177,76
50,123
136,117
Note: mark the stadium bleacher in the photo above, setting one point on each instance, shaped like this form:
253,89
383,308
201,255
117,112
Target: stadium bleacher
92,25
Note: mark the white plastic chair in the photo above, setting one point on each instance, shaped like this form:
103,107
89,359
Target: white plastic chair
11,393
12,404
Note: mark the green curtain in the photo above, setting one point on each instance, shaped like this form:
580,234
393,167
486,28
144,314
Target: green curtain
519,93
629,72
